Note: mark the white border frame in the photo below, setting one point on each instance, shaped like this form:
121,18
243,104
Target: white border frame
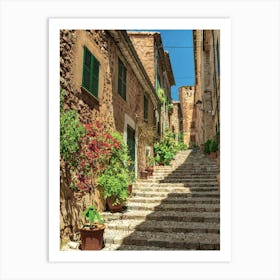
223,255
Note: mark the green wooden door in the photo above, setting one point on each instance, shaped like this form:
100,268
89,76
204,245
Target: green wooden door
131,144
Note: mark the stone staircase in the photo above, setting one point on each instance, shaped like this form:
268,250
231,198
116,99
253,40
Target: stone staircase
178,208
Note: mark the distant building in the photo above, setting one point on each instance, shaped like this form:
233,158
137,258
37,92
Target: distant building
189,126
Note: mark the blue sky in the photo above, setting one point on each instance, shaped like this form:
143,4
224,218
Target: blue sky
179,45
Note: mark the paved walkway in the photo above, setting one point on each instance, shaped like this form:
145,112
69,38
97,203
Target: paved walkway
178,208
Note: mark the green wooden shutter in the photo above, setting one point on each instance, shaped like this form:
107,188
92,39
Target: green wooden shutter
90,72
86,69
95,76
121,80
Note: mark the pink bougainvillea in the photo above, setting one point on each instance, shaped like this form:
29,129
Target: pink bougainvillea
96,148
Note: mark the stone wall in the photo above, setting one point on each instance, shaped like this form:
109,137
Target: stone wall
206,51
144,46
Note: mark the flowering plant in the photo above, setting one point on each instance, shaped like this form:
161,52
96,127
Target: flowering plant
97,147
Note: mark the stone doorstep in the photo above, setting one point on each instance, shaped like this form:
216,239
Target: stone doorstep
189,241
163,226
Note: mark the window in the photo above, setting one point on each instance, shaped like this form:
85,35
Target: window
90,72
146,107
122,80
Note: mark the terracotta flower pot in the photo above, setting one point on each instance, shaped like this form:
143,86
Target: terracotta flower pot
115,207
92,238
144,174
129,189
213,155
150,171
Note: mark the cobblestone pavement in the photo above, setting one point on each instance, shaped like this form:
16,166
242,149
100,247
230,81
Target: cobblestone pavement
178,208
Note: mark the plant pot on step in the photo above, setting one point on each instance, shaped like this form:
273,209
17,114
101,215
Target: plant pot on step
92,237
150,171
213,155
112,206
144,174
92,233
129,189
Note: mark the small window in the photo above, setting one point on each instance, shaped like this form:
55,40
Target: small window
90,72
146,107
122,80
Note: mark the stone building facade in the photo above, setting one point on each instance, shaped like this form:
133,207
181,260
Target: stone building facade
105,80
207,82
156,62
187,101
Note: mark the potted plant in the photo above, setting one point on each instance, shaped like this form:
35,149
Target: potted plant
92,232
115,188
150,165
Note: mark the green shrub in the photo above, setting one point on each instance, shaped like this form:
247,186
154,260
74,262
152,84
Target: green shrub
118,174
207,147
213,146
71,133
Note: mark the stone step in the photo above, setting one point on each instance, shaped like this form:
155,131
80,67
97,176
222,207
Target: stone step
185,176
150,183
187,241
183,168
186,183
179,180
186,172
169,195
189,200
173,207
163,226
174,189
208,217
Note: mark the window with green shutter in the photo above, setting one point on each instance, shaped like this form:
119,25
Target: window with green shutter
90,72
121,79
146,106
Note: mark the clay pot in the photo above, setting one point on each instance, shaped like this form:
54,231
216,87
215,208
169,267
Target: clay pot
144,174
129,189
213,155
150,171
114,208
92,238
